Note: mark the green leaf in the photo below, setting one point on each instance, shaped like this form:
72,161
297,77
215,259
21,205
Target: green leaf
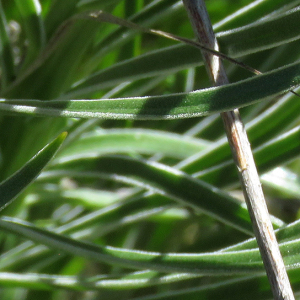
6,52
136,280
266,126
185,105
276,152
59,11
127,281
33,27
133,141
266,33
111,204
14,185
226,289
284,183
219,263
255,10
161,179
215,263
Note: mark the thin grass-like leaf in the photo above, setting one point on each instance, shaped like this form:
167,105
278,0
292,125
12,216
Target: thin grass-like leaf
284,182
33,25
266,126
87,200
185,105
11,187
230,263
237,262
6,53
163,180
125,282
252,12
280,150
133,141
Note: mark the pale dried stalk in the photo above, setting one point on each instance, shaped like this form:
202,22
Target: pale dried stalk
243,157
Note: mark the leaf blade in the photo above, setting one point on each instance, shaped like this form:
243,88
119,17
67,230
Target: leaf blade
11,187
184,105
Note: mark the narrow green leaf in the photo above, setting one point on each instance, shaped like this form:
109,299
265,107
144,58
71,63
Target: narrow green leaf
72,36
255,287
217,263
133,141
59,11
241,288
33,26
155,11
15,184
267,33
254,11
284,183
274,120
6,53
267,125
53,282
279,150
214,263
284,234
276,152
163,180
262,41
135,280
185,105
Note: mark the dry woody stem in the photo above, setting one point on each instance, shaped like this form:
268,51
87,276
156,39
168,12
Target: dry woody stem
243,158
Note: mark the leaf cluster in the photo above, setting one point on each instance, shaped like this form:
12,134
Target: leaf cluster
115,157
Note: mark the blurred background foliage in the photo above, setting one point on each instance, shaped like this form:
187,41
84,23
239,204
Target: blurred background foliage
106,216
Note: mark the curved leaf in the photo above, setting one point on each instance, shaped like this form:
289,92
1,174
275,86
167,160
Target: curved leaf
163,180
266,33
33,25
284,183
276,152
254,11
11,187
6,52
133,141
185,105
219,263
52,282
215,263
269,124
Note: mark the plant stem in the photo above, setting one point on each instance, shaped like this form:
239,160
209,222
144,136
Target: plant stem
243,158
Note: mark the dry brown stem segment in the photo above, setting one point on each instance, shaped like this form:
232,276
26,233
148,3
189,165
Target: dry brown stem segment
243,157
